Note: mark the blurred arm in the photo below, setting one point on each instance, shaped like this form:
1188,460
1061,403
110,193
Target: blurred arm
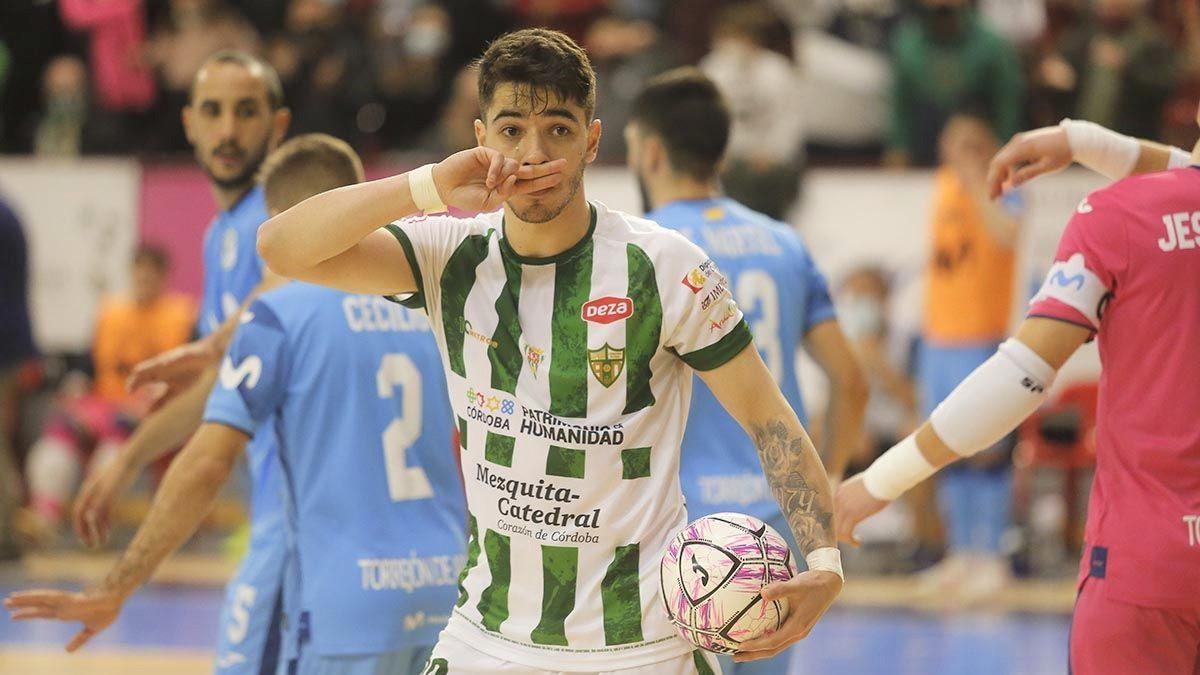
848,392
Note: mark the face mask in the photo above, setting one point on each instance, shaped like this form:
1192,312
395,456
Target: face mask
861,316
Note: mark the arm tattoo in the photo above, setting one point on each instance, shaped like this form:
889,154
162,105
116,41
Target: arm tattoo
798,482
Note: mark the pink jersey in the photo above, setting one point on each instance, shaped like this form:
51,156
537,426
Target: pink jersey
1128,267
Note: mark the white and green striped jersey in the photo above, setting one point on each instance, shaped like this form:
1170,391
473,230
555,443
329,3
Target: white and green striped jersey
570,377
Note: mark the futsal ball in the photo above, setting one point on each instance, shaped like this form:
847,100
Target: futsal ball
712,574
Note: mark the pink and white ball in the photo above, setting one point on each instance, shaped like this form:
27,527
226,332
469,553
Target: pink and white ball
712,574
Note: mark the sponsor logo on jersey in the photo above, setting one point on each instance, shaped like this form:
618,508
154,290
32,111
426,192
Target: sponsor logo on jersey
607,309
1073,284
698,277
248,371
490,409
718,323
607,362
477,336
1084,206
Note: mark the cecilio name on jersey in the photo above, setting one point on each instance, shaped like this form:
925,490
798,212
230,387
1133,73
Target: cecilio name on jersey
372,313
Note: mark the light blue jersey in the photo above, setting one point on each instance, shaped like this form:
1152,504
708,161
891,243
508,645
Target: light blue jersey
247,638
353,386
783,296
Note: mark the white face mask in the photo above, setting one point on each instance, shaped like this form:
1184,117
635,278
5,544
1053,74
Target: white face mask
861,316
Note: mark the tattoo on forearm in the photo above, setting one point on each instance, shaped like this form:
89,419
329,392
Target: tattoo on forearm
794,473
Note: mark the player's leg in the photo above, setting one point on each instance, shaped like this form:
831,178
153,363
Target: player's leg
249,633
1109,636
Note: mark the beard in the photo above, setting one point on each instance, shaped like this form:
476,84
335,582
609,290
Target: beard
542,213
242,178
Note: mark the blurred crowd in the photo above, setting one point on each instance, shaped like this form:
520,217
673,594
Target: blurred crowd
868,80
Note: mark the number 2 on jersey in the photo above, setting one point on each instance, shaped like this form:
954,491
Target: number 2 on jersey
404,482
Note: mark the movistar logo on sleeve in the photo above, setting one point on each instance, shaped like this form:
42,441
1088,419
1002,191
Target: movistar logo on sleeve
1061,278
248,371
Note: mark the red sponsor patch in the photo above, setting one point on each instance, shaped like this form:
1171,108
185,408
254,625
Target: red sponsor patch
607,309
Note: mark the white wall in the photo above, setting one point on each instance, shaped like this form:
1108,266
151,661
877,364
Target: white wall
80,219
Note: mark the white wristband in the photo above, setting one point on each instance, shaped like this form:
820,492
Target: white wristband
1179,159
424,192
1101,150
897,471
827,559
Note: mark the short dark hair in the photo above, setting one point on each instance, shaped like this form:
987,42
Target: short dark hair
307,165
249,62
155,256
686,110
540,62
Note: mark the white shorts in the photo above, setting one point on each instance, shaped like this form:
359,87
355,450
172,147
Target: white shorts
452,656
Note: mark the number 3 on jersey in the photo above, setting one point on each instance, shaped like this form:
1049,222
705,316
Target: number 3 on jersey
404,482
756,289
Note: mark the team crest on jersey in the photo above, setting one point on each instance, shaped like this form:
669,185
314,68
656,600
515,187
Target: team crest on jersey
697,278
534,356
607,362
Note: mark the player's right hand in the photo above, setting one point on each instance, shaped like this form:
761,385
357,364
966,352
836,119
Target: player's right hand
482,179
852,504
1028,155
174,370
97,609
93,506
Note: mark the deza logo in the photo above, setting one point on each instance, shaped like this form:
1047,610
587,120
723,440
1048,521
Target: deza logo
607,309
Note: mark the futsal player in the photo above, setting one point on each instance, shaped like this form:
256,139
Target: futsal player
234,117
1126,272
569,334
678,131
376,509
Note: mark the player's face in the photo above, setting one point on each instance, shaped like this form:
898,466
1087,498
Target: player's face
230,123
146,282
538,128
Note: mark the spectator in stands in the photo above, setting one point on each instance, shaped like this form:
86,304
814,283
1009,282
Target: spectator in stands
572,17
192,31
16,347
864,301
947,60
766,144
409,54
455,128
1179,115
967,306
94,421
117,37
323,65
625,53
1116,69
60,130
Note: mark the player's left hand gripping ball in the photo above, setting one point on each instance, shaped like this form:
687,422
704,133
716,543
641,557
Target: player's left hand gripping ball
808,595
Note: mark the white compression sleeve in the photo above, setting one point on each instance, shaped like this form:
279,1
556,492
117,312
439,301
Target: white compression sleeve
1179,159
1100,149
897,471
993,400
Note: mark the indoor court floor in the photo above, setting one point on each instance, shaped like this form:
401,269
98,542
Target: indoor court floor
169,627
